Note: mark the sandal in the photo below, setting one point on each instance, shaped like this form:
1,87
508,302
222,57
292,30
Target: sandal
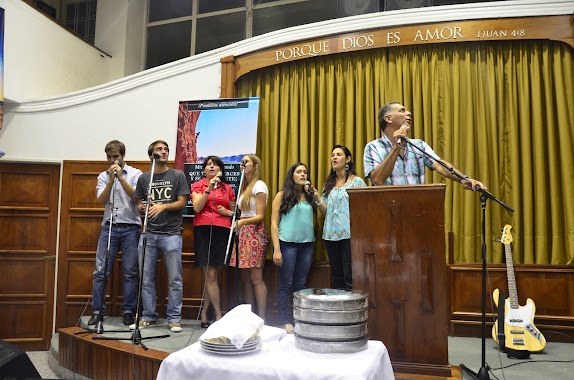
205,325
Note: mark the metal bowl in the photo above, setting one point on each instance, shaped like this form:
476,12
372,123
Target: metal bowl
331,333
330,299
332,347
330,317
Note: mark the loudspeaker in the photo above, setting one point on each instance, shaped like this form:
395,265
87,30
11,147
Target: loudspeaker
357,7
393,5
15,364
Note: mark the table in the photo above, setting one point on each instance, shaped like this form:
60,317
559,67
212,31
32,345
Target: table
280,360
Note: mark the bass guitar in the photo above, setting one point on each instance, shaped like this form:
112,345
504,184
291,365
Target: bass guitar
520,335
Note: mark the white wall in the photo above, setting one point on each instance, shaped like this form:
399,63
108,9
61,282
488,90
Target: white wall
120,32
136,117
43,59
143,107
135,37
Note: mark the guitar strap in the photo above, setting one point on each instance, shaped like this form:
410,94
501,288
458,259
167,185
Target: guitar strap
501,336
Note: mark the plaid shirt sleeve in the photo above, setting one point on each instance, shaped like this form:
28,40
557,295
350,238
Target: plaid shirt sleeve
371,158
427,149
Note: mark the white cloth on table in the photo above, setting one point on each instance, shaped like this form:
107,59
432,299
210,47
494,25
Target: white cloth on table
238,325
281,360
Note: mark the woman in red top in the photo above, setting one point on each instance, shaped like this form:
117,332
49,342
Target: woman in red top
213,201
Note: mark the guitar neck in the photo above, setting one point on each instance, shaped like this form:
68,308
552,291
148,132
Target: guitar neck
512,293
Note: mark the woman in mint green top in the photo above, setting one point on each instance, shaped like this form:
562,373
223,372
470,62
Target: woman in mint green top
293,234
335,206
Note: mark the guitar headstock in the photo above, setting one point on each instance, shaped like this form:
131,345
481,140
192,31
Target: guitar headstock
506,235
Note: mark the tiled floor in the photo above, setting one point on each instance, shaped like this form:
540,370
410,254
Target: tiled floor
40,361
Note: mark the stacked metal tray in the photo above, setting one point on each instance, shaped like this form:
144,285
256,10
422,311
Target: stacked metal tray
331,320
249,347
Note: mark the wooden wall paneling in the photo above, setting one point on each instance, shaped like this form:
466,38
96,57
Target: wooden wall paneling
80,221
403,270
193,287
28,221
81,218
550,287
228,76
557,28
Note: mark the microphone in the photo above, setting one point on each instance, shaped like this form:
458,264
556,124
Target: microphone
155,156
219,174
116,162
400,140
243,163
309,189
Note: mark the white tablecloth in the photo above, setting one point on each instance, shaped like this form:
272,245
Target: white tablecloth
281,360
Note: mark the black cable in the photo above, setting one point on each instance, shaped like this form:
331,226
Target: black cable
532,361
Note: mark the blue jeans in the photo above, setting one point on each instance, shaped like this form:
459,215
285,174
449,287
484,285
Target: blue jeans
297,259
170,246
127,239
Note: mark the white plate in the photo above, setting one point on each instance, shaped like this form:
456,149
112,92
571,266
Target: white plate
247,344
235,351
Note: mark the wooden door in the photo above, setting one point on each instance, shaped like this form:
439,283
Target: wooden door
28,231
80,225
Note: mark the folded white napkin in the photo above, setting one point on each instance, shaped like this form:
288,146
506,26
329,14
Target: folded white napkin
236,327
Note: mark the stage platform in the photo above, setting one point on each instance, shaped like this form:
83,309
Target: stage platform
79,355
115,359
85,355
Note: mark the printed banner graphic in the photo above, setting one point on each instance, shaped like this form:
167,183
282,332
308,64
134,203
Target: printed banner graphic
222,127
1,69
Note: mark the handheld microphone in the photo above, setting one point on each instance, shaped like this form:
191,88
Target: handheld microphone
116,162
155,156
400,140
219,174
309,189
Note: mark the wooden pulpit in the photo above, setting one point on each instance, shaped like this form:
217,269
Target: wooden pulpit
399,258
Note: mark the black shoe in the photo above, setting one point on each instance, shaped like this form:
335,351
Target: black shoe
205,325
128,319
93,320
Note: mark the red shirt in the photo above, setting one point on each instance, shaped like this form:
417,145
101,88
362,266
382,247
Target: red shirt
218,197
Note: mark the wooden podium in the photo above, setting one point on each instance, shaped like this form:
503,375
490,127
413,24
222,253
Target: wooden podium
398,249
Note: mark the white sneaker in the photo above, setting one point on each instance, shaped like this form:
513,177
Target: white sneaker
143,324
175,327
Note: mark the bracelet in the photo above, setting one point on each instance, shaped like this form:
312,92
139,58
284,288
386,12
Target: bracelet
231,213
207,192
319,203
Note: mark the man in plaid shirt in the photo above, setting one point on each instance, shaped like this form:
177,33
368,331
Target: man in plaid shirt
387,160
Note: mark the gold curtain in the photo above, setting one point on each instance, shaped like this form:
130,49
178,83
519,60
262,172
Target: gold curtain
501,112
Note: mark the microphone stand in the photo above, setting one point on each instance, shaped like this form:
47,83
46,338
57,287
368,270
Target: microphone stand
136,337
485,195
235,211
99,327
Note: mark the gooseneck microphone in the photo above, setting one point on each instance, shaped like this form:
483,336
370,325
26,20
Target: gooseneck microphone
156,156
309,189
219,174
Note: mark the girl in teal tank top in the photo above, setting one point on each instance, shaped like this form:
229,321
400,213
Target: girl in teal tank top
293,235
